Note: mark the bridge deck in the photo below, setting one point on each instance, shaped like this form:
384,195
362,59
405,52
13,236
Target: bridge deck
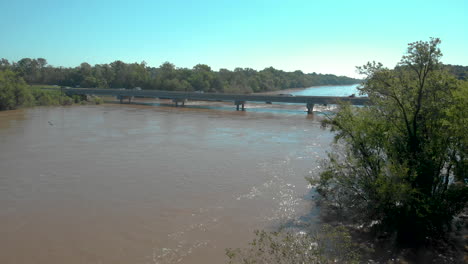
219,97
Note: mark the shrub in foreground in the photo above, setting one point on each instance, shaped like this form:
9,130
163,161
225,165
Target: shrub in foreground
401,162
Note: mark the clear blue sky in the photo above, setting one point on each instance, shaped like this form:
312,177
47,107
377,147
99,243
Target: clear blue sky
312,36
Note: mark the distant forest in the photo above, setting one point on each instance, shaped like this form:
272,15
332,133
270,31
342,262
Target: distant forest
461,72
201,77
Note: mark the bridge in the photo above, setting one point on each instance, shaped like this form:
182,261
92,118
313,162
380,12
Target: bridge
238,99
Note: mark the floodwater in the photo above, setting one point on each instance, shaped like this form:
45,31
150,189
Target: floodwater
330,90
150,184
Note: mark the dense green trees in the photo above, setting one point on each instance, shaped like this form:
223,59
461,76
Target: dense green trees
167,77
460,72
15,93
401,163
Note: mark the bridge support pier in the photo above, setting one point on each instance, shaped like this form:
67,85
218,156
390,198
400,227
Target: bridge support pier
310,108
122,97
177,101
240,104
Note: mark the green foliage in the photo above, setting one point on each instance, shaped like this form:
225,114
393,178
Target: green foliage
98,100
330,245
460,72
65,100
45,97
167,77
13,91
77,99
457,122
91,82
49,97
401,162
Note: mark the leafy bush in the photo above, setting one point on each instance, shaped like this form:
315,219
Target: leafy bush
76,99
98,100
50,97
13,91
65,100
403,160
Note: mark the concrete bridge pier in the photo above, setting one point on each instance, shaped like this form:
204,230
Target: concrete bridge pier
310,108
122,97
241,104
177,101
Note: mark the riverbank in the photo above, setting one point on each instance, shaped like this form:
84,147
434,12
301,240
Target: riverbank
450,249
15,93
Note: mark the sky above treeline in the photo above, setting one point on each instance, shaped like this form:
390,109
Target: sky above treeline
312,36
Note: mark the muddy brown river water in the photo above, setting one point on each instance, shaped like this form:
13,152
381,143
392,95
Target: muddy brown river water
150,184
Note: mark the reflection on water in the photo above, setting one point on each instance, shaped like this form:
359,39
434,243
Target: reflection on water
330,90
142,184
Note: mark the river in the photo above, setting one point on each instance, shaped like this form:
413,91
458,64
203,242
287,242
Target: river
151,184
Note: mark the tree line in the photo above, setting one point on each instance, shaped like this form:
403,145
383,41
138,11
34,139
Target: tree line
201,77
15,93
